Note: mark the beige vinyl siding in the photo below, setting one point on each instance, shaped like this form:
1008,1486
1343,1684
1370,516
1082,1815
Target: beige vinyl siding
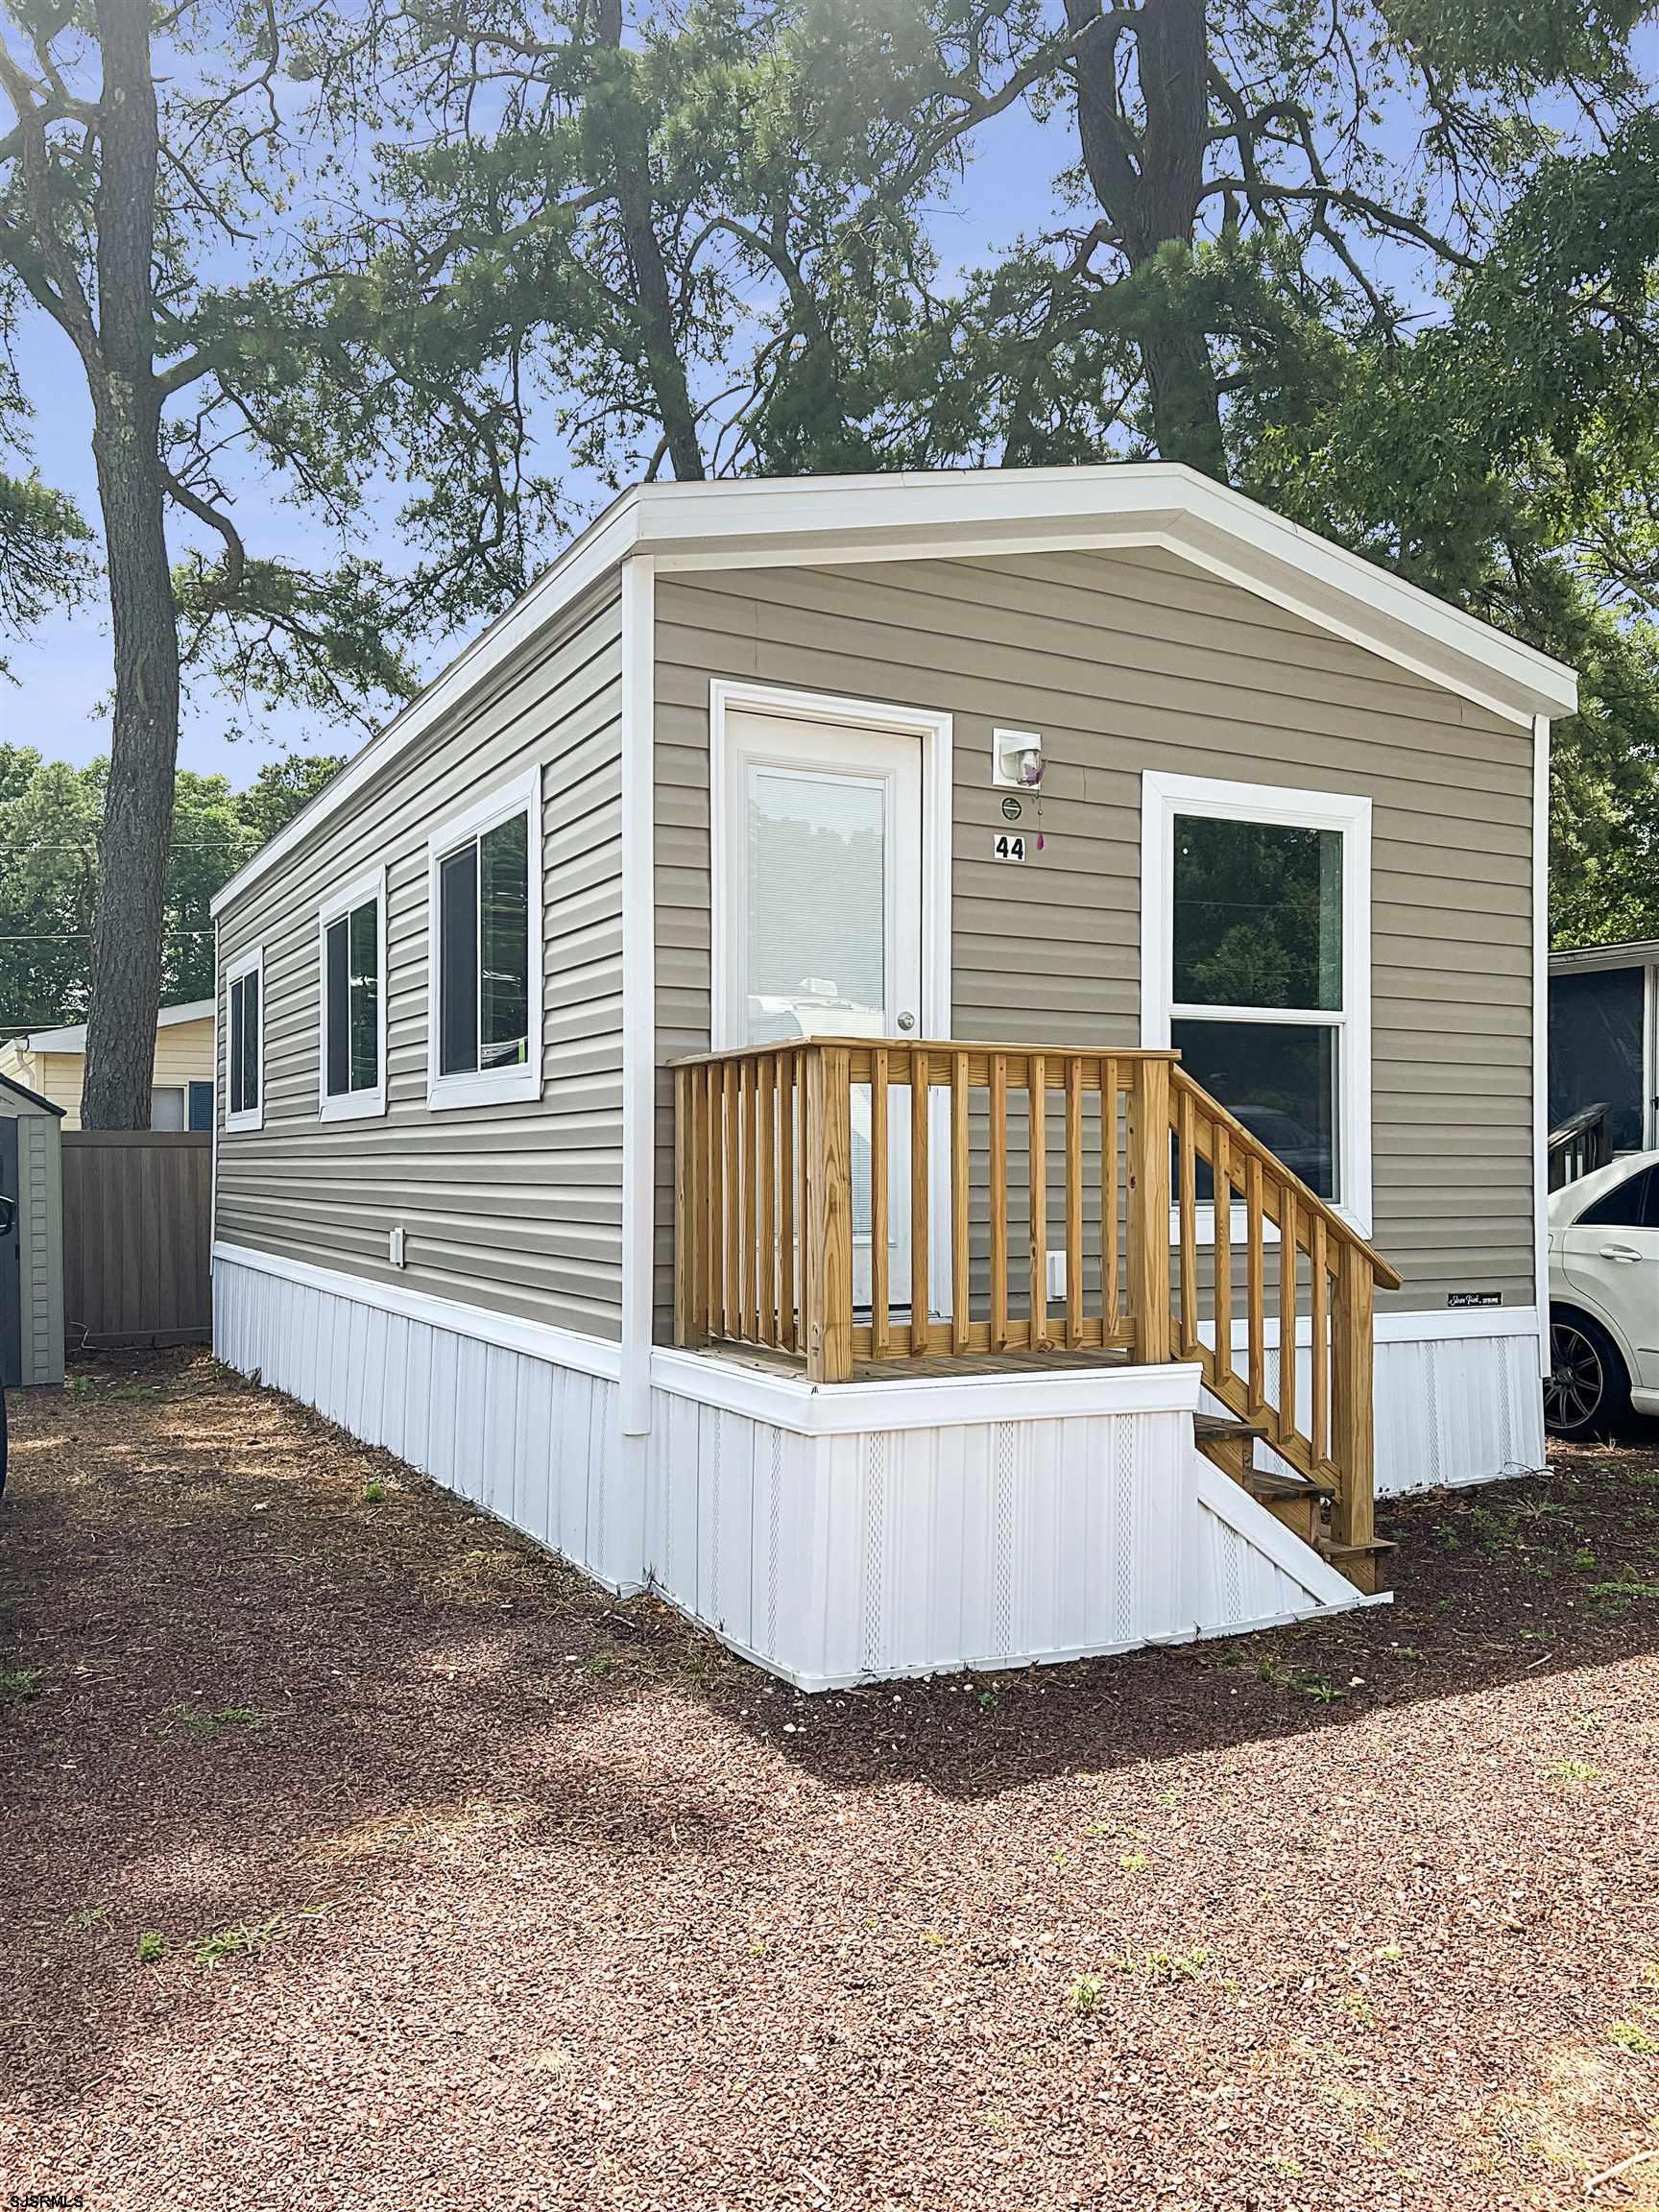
516,1206
1125,662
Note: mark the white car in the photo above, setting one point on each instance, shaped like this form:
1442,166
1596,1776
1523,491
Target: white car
1604,1297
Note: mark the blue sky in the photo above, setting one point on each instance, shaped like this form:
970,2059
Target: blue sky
60,702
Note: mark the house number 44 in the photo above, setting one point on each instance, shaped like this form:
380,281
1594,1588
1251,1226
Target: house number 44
1007,846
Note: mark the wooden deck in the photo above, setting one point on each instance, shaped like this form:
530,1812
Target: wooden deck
941,1367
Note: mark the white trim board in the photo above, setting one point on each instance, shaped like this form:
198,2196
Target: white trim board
941,1402
519,1079
250,962
638,993
1541,1025
969,512
935,731
1163,798
536,1339
371,1103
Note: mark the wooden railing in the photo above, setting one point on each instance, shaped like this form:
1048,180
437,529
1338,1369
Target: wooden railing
983,1160
766,1246
1273,1223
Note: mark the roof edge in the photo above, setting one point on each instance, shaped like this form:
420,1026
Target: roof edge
71,1036
734,523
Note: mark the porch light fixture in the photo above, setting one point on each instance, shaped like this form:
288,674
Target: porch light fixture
1016,759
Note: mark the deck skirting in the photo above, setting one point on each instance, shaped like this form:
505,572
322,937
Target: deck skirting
861,1532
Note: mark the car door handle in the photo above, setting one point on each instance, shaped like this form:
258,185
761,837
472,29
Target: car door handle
1619,1252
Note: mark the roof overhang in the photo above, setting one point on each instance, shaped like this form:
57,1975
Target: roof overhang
1596,959
73,1039
963,514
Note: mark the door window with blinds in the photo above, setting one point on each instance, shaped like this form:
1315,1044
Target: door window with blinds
243,1042
351,1001
485,951
1259,967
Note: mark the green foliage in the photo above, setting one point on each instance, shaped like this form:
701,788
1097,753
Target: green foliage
49,818
43,561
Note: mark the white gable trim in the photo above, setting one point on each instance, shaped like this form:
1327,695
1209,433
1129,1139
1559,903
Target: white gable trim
974,512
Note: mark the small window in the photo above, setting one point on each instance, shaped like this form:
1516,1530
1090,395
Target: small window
167,1106
200,1105
1633,1204
244,1050
1256,967
351,956
486,982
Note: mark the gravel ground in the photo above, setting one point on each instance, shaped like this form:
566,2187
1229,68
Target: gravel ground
358,1854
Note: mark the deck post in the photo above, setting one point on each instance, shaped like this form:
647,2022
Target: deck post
691,1172
1353,1360
1149,1209
827,1288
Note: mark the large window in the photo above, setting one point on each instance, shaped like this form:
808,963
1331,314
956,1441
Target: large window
243,1042
352,959
485,890
1255,966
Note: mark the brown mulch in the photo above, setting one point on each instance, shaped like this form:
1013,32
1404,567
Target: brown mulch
358,1854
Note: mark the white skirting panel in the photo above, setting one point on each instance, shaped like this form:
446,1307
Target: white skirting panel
836,1537
532,1441
1452,1406
1456,1410
847,1558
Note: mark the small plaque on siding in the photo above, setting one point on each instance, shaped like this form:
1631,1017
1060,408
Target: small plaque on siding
1007,846
1474,1297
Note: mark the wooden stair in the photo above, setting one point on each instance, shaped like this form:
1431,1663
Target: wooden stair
1302,1503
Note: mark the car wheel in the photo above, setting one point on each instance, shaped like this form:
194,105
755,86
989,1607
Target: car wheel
1587,1391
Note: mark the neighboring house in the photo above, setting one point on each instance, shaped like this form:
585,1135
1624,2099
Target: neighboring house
1604,1040
53,1063
580,1035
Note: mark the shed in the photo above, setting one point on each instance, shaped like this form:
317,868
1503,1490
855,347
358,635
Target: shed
1604,1039
31,1252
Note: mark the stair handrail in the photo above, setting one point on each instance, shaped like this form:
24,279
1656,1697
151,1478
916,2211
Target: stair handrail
1336,1448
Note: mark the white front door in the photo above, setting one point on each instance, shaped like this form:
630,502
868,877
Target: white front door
822,915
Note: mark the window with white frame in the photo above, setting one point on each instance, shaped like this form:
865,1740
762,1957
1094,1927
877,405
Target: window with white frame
351,1001
485,953
243,1042
1257,965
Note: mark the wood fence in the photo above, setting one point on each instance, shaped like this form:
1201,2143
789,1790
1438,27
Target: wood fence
138,1214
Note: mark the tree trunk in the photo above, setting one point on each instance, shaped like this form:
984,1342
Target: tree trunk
127,447
663,366
1149,184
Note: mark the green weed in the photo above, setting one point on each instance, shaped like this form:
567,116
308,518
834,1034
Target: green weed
16,1683
1630,2035
202,1728
1164,1966
1574,1772
374,1493
1086,1992
151,1946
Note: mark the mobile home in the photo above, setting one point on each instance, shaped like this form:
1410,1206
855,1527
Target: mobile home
737,1077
